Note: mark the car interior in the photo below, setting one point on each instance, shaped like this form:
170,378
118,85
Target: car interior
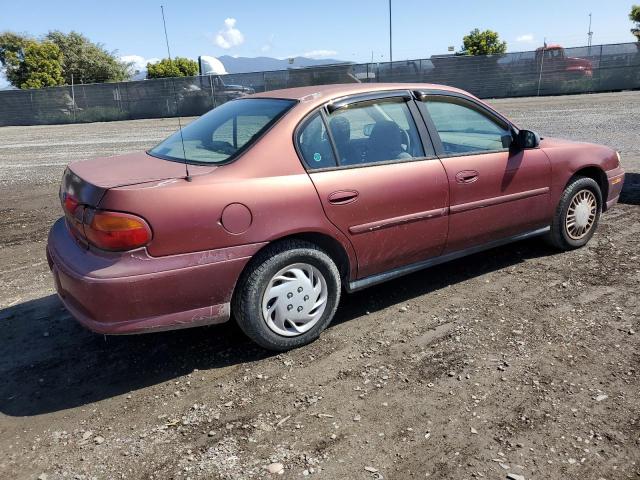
362,134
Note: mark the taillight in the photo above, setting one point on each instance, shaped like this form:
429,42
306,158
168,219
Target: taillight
70,203
116,231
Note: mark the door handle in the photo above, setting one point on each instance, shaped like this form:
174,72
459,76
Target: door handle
342,197
467,176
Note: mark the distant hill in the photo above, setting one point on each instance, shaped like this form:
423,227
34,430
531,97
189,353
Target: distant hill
262,64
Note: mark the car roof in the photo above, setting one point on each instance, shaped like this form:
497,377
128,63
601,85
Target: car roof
318,94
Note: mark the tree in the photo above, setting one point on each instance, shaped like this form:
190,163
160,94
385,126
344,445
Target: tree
177,67
42,65
11,51
483,43
634,16
29,63
88,62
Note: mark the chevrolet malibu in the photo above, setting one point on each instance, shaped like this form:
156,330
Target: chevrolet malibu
269,206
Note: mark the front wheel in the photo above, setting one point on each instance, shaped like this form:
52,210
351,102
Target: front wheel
287,296
577,215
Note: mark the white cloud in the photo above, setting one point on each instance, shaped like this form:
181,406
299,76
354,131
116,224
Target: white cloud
139,63
319,53
526,38
229,36
268,45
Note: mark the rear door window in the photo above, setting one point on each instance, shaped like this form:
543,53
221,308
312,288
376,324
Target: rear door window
373,132
314,144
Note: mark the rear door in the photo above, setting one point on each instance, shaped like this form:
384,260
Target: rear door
496,192
378,179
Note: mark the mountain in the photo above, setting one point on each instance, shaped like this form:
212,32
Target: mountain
263,64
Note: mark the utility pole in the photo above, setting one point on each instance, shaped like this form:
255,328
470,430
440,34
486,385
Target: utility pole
390,36
589,33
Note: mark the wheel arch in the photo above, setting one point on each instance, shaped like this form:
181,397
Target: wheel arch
334,248
598,175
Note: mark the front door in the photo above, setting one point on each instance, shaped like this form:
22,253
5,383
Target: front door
496,192
383,187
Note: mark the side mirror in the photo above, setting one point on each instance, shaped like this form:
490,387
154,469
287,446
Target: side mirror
527,139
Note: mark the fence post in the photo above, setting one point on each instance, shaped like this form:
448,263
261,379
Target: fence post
599,70
213,93
73,99
541,65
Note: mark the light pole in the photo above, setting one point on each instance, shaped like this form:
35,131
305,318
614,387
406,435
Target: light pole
390,38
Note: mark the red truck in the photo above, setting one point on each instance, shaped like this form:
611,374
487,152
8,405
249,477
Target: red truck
552,59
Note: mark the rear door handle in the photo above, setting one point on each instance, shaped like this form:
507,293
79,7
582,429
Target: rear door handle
467,176
342,197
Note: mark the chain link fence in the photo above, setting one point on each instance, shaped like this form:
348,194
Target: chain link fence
552,70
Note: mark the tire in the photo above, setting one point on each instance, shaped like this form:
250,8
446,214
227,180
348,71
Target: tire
583,190
306,271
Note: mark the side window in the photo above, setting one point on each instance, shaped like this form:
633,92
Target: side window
314,144
375,132
463,129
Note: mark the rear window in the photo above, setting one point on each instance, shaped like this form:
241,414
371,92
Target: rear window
224,132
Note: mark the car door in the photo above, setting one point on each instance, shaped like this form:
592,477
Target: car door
496,191
378,180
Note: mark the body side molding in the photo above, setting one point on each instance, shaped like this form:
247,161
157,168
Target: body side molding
392,222
464,207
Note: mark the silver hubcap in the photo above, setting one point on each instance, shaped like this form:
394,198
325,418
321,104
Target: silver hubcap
294,299
581,214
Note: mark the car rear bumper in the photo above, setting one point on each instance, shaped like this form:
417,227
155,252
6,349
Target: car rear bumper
615,178
132,292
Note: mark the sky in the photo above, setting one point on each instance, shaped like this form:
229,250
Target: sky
351,30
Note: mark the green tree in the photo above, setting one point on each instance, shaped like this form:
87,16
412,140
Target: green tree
42,65
29,63
483,43
177,67
11,52
634,16
88,62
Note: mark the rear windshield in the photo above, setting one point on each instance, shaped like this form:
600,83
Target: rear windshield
224,132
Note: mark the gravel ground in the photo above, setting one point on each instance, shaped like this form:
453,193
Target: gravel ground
519,361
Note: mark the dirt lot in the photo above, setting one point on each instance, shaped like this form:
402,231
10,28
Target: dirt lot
515,361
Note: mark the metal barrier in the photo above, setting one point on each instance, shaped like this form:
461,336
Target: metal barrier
552,70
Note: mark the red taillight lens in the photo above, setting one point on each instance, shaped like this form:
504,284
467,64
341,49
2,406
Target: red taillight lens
70,203
117,231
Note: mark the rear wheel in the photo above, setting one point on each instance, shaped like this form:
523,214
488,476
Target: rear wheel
577,215
287,296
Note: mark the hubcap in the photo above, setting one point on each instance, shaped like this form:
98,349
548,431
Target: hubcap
294,299
581,214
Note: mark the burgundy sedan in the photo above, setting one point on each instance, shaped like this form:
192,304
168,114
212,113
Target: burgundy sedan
270,205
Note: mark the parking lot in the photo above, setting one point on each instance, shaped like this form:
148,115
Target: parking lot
518,360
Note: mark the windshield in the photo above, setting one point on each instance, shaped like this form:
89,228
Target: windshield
224,132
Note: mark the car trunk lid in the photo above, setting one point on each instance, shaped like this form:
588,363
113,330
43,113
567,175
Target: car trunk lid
84,183
88,180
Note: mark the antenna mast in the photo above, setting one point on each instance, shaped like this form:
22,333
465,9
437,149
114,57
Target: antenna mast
589,33
175,97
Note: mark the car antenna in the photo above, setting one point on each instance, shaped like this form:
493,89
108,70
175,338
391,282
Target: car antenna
175,97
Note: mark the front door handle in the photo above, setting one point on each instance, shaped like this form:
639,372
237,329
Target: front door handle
342,197
467,176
